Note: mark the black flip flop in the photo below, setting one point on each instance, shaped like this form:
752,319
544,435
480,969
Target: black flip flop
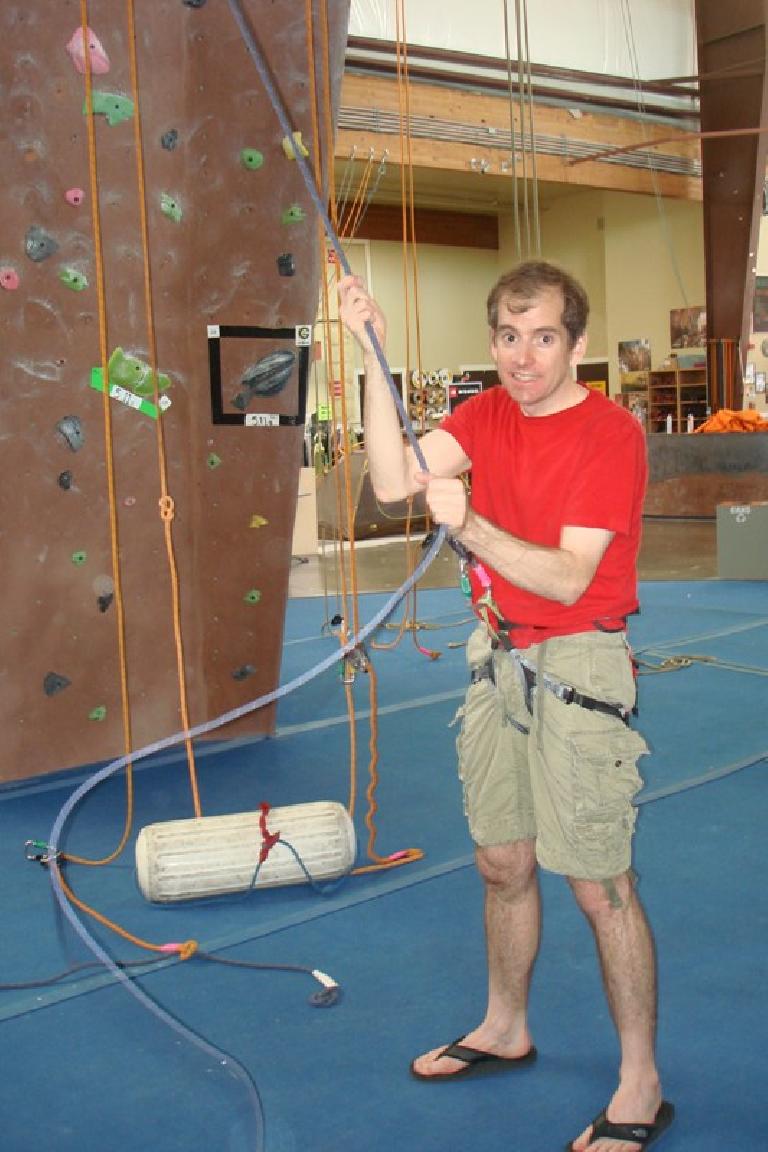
475,1061
642,1134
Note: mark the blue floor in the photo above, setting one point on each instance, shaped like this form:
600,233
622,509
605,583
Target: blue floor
86,1067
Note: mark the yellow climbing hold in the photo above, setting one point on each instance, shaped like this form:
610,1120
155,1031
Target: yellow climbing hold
292,144
258,521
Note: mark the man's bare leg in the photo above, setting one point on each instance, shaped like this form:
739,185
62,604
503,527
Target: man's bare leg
512,928
626,952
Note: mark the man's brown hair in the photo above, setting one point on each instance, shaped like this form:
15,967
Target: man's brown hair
522,285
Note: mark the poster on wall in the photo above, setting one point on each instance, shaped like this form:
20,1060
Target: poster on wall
760,306
634,356
688,327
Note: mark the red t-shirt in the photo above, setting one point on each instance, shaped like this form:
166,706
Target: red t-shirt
532,475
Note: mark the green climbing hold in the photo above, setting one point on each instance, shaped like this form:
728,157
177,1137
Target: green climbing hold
253,596
170,207
294,215
99,713
73,279
213,460
79,558
129,372
251,158
115,107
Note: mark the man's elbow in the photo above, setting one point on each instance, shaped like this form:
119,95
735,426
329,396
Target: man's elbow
574,587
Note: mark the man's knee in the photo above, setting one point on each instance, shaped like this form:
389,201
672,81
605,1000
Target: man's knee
507,867
598,897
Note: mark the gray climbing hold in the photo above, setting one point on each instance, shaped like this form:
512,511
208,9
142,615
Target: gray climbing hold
54,683
169,139
286,265
266,377
39,244
70,430
105,601
243,672
65,480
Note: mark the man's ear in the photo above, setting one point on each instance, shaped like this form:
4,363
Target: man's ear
579,350
492,343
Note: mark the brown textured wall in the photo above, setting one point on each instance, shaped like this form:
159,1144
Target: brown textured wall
216,265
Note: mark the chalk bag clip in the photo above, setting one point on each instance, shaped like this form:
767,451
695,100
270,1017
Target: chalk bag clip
39,852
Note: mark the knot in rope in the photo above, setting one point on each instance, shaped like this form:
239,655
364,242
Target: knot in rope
268,839
167,508
187,949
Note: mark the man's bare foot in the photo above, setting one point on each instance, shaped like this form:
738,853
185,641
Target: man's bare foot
436,1064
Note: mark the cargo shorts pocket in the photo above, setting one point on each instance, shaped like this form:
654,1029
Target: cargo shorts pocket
603,772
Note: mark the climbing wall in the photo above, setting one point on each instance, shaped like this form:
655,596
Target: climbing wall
232,259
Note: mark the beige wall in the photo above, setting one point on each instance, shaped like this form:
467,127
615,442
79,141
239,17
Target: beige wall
643,247
621,246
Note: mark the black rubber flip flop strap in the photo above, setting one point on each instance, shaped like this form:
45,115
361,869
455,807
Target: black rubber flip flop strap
457,1051
604,1129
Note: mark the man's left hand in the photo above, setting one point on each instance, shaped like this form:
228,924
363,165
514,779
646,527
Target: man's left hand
446,500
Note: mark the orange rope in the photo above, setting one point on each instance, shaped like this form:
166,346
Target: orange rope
397,859
109,453
165,504
185,950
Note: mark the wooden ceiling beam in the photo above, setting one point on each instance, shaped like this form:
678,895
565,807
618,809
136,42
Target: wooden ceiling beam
460,130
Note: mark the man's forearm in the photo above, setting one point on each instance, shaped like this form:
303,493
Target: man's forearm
553,573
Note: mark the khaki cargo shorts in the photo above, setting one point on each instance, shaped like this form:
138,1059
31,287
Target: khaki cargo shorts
570,780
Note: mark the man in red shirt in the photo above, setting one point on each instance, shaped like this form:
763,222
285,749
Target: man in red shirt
546,757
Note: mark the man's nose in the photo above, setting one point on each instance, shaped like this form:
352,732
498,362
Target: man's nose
522,352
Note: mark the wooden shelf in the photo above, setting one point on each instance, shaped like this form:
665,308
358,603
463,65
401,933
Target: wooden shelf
677,392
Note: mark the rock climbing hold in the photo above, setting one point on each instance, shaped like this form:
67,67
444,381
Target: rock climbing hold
258,521
74,196
266,377
252,158
286,265
253,596
105,601
170,207
130,372
79,558
98,57
213,460
38,244
73,279
70,430
169,139
65,480
293,144
243,672
129,501
294,215
53,683
193,3
99,713
112,105
9,278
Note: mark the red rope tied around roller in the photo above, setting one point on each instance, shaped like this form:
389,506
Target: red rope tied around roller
268,839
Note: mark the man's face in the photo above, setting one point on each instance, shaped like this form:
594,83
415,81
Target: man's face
533,356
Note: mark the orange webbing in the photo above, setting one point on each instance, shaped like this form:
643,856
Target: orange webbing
109,454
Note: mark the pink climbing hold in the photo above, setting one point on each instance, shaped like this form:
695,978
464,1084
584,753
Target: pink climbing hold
9,279
75,197
76,50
